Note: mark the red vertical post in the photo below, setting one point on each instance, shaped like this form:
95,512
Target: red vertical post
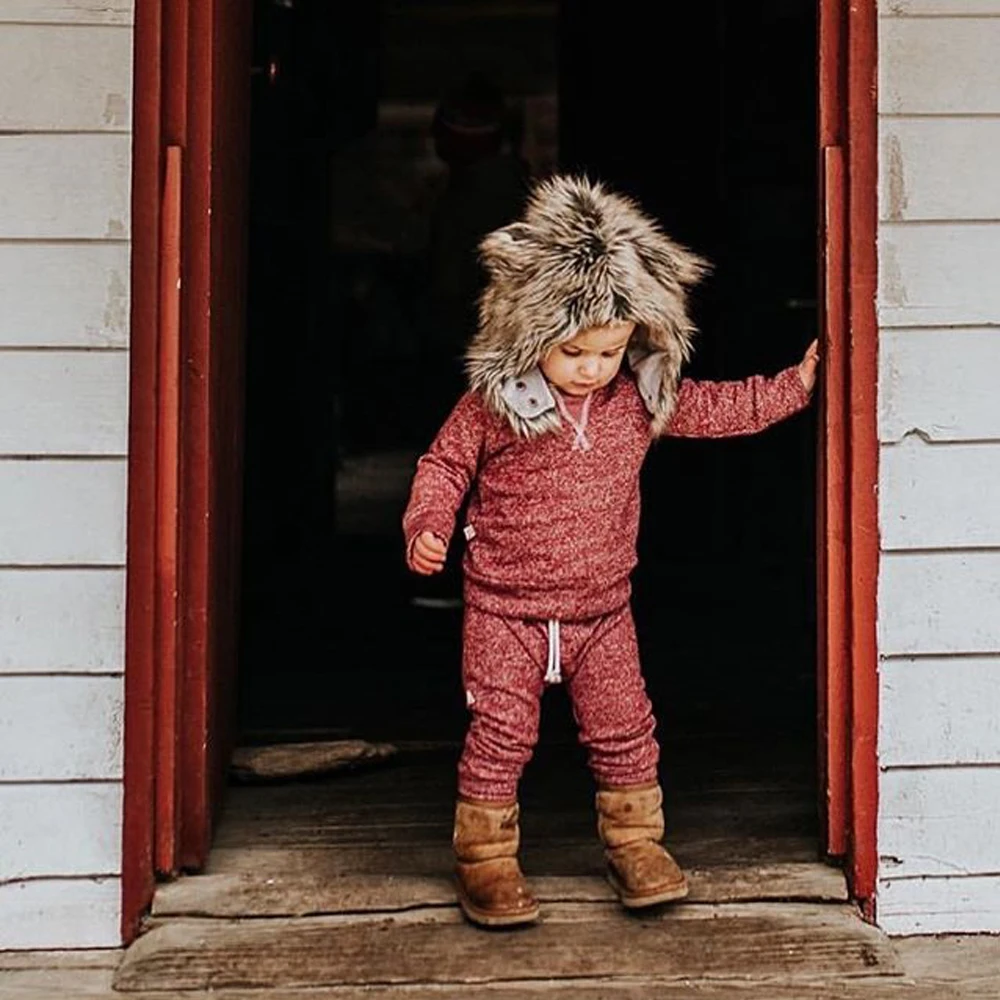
862,201
833,657
138,810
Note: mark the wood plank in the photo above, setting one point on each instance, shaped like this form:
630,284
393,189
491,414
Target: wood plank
64,403
62,512
60,913
276,895
939,169
944,8
939,821
567,857
939,496
686,942
66,11
789,814
940,602
68,186
67,295
931,711
65,79
952,958
950,905
35,825
36,984
60,728
938,274
939,384
917,61
62,620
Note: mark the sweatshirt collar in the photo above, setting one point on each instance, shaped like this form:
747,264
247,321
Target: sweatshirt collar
530,396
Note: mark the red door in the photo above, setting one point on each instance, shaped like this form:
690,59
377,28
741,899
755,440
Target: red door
192,60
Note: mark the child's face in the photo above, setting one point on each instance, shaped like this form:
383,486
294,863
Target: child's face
590,360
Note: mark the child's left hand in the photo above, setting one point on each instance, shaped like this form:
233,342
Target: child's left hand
808,366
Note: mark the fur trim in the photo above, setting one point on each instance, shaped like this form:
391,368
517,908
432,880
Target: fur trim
580,256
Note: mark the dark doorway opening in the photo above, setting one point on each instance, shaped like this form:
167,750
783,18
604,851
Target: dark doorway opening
705,113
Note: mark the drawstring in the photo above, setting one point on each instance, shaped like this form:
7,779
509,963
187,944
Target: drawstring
580,440
553,672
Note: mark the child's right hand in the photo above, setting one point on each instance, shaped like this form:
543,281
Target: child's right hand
427,554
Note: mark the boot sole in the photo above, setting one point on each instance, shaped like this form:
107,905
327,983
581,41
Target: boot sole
484,919
666,895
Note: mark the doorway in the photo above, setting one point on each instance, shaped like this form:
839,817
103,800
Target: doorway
711,666
707,116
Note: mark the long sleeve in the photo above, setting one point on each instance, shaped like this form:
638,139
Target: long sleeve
729,409
445,472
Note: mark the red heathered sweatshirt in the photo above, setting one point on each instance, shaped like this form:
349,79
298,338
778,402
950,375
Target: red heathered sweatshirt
553,529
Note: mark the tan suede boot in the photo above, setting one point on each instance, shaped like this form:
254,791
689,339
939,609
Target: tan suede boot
630,822
491,889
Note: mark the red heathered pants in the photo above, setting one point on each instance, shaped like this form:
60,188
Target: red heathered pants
505,661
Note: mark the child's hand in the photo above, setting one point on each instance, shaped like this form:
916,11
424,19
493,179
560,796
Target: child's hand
428,553
808,365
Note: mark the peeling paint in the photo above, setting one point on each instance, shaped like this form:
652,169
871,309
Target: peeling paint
116,110
895,179
116,305
892,289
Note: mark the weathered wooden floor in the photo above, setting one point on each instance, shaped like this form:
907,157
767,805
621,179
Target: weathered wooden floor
339,889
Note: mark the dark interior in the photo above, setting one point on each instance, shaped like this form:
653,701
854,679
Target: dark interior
704,112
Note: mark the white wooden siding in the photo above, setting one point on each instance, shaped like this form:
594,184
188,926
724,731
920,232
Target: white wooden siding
48,913
66,11
934,603
70,78
947,695
939,479
65,162
63,403
64,295
55,512
939,905
62,620
60,729
918,372
919,57
939,821
68,186
935,8
938,274
64,829
940,496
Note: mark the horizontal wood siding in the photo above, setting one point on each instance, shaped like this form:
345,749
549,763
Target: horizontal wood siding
73,295
62,620
73,78
918,372
65,163
36,913
41,738
939,484
947,695
69,828
63,403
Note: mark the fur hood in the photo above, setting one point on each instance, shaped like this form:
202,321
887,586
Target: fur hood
580,256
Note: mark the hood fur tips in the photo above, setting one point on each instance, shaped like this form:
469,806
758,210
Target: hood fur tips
580,256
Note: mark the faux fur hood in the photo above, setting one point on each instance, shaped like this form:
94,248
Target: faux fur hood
580,256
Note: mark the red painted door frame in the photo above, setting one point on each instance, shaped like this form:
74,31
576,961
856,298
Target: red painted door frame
191,93
190,141
848,545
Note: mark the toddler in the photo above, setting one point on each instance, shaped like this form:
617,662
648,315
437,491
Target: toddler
574,371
